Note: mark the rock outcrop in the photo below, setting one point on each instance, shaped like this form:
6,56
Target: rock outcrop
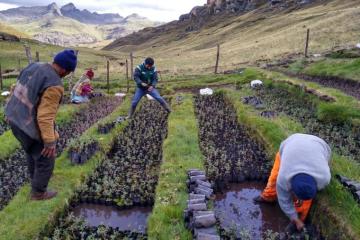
8,37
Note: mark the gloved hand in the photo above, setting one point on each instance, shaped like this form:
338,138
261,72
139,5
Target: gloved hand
144,84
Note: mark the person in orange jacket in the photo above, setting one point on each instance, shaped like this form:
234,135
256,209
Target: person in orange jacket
301,168
31,111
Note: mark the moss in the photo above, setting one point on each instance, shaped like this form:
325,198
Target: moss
333,113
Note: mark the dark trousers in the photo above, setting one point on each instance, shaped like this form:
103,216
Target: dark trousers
40,167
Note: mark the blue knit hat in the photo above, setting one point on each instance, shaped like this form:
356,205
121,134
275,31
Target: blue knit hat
66,59
304,186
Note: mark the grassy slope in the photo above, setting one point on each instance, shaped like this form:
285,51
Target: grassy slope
15,218
12,52
181,152
254,36
10,30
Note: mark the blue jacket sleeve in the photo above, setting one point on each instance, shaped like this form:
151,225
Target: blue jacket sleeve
286,203
137,76
155,79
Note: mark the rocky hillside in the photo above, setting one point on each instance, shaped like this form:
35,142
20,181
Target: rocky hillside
212,12
248,31
69,26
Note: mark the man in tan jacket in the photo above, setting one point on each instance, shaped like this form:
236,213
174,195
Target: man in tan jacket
31,113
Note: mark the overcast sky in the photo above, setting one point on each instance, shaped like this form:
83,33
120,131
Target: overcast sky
160,10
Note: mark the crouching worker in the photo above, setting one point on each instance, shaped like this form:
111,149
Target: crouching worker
301,169
82,90
31,113
146,78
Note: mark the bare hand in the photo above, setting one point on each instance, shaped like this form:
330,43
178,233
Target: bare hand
144,84
49,152
299,224
150,88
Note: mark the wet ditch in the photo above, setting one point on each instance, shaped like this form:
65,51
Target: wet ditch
234,161
117,198
14,171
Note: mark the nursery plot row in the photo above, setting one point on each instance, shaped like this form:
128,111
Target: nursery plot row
348,86
126,179
3,126
341,136
14,172
232,155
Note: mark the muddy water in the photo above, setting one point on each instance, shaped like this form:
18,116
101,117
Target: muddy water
239,215
133,219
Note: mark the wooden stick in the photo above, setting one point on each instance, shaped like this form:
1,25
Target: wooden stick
28,53
132,65
307,42
217,59
1,78
37,57
108,75
127,76
72,74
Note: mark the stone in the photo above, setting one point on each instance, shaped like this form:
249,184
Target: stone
199,177
205,221
196,173
209,231
195,201
202,213
197,207
203,183
205,236
197,196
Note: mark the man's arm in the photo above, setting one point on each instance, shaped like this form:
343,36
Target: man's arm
155,79
286,203
46,115
137,76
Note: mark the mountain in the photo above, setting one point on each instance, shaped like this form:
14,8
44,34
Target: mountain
84,16
69,26
249,32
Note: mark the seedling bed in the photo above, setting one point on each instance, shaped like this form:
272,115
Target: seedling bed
342,136
14,172
127,178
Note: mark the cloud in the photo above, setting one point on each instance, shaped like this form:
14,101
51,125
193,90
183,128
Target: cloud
160,10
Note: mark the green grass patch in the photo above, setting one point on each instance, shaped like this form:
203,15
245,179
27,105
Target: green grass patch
343,68
181,152
15,218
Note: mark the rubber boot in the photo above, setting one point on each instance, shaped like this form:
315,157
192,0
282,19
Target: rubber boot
131,112
166,107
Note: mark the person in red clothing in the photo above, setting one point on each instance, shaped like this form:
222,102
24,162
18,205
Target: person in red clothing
82,90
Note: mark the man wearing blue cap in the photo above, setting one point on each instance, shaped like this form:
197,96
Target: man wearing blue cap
301,168
31,112
146,78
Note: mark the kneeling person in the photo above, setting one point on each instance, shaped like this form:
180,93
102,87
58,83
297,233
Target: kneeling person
301,168
146,78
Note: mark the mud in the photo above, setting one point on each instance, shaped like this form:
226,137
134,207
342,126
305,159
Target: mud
240,217
132,219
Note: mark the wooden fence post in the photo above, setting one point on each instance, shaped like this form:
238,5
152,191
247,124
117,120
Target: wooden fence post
217,59
28,53
132,65
307,42
127,76
37,57
72,74
108,75
19,65
1,78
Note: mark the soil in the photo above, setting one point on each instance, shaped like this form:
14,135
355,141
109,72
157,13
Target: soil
132,219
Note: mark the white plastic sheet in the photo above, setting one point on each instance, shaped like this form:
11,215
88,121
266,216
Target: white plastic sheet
5,94
120,94
358,45
256,83
206,91
149,97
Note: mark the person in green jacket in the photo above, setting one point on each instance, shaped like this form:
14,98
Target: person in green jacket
146,78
